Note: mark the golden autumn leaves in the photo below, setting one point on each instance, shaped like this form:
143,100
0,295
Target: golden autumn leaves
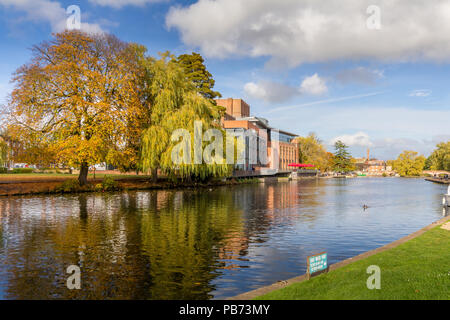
87,99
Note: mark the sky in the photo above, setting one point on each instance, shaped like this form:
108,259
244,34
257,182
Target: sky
374,74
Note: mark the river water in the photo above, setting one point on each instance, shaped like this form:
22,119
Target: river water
200,244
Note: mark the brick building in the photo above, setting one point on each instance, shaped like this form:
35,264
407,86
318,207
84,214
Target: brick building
274,147
373,167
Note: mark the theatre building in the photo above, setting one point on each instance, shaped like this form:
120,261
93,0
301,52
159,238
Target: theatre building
266,148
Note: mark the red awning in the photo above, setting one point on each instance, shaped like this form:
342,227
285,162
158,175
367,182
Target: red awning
301,165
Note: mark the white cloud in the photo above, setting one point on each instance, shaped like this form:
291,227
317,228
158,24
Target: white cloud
270,91
48,11
379,121
254,90
392,147
313,85
420,93
117,4
388,148
358,139
293,32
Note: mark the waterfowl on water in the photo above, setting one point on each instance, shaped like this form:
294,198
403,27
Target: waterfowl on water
365,207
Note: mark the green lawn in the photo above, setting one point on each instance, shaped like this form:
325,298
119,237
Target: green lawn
417,269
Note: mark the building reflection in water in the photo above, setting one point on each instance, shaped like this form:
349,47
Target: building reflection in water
144,245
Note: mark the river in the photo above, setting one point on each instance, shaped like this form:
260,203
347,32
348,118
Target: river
200,244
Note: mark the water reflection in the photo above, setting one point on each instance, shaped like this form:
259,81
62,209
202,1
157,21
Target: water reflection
197,244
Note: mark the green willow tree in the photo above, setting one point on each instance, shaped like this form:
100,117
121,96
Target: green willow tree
342,158
196,72
176,104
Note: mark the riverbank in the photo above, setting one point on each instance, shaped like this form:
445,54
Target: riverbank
438,180
414,267
27,184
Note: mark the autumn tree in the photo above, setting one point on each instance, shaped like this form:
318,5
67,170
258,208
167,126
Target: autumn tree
3,152
330,161
440,158
196,72
77,100
176,104
312,151
409,163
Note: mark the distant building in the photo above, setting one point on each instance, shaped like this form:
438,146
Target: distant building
376,167
373,167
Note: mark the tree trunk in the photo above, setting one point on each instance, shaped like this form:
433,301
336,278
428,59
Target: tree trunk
82,178
82,200
155,175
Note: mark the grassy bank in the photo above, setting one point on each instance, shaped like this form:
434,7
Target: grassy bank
24,184
62,176
416,269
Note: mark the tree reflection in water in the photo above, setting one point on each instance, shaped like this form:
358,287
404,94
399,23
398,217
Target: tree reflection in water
134,245
199,244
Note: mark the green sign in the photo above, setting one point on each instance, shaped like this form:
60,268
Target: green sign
317,263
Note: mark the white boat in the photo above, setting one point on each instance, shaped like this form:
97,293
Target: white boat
446,199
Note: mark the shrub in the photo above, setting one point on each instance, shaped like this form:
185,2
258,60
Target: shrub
22,170
69,186
109,184
3,170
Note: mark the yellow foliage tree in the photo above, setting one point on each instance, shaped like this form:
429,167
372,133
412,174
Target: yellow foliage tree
312,151
440,158
78,100
409,163
3,152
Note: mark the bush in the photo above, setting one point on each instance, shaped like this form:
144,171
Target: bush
69,186
109,184
3,170
22,170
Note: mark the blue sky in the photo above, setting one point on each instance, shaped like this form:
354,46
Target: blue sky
306,66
